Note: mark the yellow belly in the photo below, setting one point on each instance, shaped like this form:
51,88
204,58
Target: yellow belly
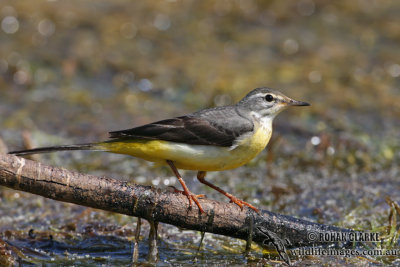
193,157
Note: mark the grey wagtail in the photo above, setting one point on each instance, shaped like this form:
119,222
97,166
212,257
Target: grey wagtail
214,139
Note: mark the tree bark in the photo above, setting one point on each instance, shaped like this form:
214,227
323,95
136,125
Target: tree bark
266,228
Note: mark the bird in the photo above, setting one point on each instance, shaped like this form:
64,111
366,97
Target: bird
213,139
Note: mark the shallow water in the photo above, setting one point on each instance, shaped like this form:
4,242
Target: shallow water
72,71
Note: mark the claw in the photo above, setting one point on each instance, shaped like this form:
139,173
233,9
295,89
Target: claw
240,203
176,190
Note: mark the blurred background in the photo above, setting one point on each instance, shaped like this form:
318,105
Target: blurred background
70,71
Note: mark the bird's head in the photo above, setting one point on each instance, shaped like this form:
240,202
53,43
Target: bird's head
267,103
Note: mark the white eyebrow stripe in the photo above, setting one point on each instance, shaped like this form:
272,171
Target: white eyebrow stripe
258,95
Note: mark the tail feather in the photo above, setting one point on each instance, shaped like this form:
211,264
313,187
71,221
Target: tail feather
49,149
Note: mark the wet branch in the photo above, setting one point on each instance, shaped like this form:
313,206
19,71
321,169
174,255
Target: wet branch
153,204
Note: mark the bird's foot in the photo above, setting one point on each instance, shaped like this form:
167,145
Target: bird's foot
240,203
191,197
176,190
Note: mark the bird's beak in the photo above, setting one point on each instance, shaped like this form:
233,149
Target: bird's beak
292,102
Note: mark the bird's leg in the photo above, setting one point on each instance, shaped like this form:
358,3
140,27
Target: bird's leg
201,177
186,191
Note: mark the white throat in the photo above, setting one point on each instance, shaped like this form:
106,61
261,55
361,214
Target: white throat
264,121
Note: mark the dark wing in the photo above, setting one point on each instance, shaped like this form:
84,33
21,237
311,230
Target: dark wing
196,129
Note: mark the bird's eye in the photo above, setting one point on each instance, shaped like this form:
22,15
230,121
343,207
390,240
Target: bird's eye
269,98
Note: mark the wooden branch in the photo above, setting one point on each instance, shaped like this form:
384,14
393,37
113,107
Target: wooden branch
157,205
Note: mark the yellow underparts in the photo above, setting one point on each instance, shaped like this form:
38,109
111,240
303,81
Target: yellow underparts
193,157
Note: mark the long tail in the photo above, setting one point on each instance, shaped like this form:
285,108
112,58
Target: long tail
49,149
